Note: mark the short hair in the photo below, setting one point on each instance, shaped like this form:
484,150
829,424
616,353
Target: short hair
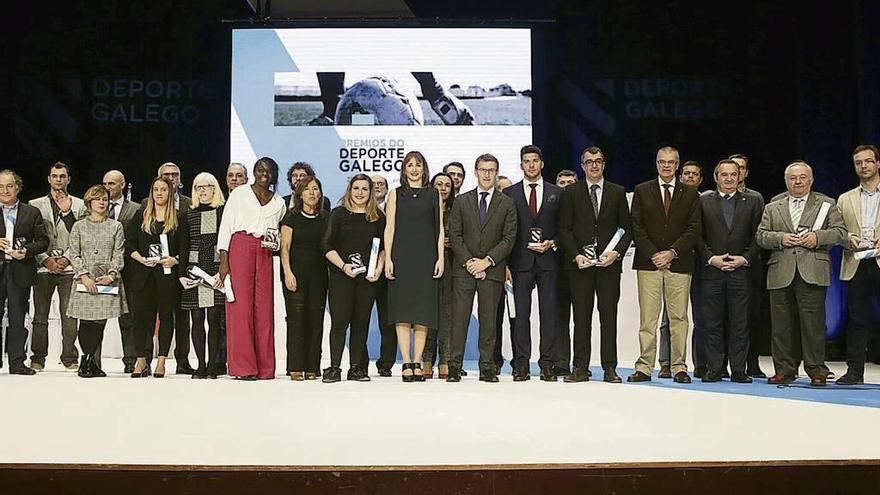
300,166
530,148
298,192
565,173
167,164
218,198
720,163
236,164
426,174
486,157
93,193
867,147
272,165
15,177
739,156
669,149
795,163
59,165
593,150
692,163
455,164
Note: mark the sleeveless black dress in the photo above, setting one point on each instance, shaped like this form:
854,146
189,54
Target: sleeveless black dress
414,294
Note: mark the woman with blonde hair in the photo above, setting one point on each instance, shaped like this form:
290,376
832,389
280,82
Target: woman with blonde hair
97,252
203,301
347,245
153,239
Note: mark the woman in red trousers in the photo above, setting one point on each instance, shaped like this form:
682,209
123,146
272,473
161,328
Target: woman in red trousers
248,235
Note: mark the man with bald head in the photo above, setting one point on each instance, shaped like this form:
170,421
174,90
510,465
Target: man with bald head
799,229
236,175
122,210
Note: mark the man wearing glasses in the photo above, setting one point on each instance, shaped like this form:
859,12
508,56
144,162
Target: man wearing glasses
666,226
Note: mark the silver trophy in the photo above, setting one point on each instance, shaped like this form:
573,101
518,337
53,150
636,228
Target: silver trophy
866,239
357,263
154,253
19,243
536,237
589,252
271,240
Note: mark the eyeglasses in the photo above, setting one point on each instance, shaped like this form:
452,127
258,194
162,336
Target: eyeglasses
204,187
597,161
667,162
171,174
487,170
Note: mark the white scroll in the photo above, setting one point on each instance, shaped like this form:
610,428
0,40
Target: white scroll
511,302
613,242
374,258
820,218
163,241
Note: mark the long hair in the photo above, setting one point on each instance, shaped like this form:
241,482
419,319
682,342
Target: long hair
447,205
298,195
206,178
371,208
404,182
150,210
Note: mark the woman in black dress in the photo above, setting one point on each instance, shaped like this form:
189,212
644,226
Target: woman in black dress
305,278
438,337
414,246
347,244
201,301
152,278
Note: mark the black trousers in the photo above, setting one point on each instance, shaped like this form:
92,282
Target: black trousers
159,295
351,300
523,283
862,294
212,338
725,302
91,333
601,285
387,331
15,298
500,314
126,331
181,337
757,291
305,324
563,322
488,292
798,314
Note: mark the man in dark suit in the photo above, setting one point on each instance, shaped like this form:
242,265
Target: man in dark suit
666,227
591,214
727,250
799,273
22,237
533,263
564,302
482,229
757,278
297,172
236,175
122,210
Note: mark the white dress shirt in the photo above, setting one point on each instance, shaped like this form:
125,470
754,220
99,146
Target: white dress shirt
671,189
244,213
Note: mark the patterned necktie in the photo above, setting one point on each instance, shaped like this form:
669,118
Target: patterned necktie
667,198
594,198
533,201
113,210
796,214
484,208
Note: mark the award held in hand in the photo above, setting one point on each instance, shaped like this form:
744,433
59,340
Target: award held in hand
98,271
163,244
271,239
589,252
536,237
154,252
357,263
374,258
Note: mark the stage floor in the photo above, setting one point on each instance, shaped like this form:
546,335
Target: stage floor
57,417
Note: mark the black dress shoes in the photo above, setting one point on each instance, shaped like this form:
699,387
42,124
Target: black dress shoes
462,372
384,372
638,376
756,373
332,374
740,377
725,373
22,370
682,377
710,376
579,375
850,379
699,371
561,371
128,368
357,374
547,375
665,371
611,376
521,375
454,375
186,369
488,377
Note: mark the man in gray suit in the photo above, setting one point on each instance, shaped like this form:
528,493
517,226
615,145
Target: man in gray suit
482,229
799,273
122,210
59,211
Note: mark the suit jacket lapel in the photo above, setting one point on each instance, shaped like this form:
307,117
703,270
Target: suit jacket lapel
493,205
738,209
655,192
855,202
811,210
676,196
785,213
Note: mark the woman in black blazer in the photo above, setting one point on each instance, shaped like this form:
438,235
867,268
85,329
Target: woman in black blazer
152,278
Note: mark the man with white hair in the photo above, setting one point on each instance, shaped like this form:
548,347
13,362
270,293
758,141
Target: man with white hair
236,175
799,229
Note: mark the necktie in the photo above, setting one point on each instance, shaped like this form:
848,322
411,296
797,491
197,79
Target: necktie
727,207
594,198
796,214
667,198
533,201
113,210
484,208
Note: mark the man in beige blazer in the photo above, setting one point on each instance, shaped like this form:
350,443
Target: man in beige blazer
799,273
859,208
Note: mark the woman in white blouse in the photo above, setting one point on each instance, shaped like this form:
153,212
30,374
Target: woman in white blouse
248,235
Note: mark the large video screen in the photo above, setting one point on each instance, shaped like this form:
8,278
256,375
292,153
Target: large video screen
356,100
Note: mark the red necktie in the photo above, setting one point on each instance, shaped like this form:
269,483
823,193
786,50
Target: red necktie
533,201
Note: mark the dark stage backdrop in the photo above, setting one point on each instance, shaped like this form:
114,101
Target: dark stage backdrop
128,85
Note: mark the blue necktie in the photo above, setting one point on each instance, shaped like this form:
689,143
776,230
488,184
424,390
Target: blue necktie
728,208
484,208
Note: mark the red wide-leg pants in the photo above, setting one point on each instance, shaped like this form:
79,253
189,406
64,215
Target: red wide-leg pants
250,320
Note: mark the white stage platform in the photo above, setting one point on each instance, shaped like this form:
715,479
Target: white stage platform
58,418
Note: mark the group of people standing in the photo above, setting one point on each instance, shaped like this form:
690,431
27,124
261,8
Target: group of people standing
423,251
